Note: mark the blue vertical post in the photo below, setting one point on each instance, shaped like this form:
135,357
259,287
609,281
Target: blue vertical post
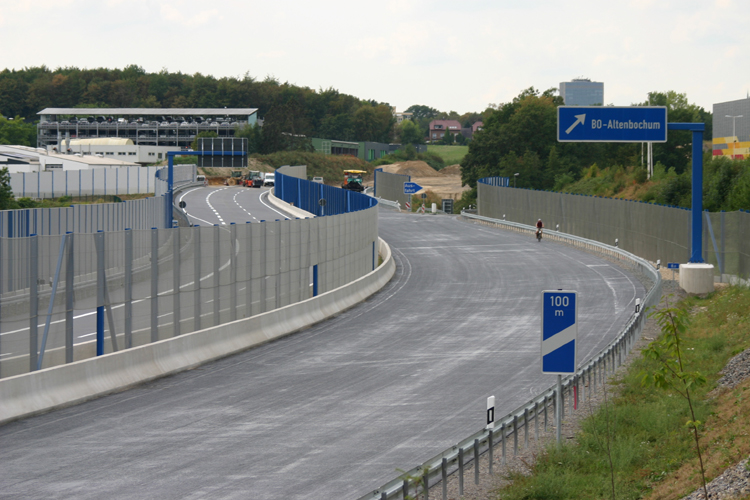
170,186
100,293
696,225
315,280
697,202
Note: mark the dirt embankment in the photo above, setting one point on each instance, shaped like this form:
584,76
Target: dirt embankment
445,183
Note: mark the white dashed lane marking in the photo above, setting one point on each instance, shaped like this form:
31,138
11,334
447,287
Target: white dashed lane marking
234,198
216,212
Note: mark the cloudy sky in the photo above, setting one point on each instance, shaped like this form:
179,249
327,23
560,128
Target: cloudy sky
450,55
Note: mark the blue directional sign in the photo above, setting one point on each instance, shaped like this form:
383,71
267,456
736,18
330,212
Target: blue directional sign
611,124
411,187
673,265
559,331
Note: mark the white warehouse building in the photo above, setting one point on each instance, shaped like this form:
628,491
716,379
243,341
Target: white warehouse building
28,159
118,148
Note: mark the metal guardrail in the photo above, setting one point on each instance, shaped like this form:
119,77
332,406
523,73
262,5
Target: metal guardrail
590,374
389,203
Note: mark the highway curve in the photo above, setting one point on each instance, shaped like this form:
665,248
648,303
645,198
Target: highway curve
334,411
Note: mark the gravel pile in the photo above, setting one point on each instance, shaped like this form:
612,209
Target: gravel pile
735,481
737,370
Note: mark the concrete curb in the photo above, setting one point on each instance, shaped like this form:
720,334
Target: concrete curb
65,385
282,205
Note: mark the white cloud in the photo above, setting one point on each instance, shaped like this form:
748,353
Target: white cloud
173,14
405,52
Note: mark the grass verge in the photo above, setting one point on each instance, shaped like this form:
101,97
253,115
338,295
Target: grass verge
451,155
651,449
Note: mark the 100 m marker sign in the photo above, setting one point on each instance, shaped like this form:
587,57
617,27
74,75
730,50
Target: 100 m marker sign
559,331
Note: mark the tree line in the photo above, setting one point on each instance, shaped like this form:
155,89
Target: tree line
284,107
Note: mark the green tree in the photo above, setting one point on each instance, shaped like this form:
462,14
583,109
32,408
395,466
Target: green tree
7,201
374,123
671,372
208,134
676,152
447,139
17,132
739,196
420,112
719,177
409,133
254,136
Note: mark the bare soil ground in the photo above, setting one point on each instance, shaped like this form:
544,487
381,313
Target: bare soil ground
445,183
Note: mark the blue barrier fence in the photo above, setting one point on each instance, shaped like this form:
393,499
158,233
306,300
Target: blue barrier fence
496,181
319,199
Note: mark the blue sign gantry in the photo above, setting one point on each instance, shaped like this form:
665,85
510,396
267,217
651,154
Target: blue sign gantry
559,331
411,187
612,124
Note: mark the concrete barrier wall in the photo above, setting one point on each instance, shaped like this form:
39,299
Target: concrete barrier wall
391,187
40,391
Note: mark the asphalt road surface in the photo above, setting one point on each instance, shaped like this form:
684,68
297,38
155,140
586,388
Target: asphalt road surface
223,205
336,410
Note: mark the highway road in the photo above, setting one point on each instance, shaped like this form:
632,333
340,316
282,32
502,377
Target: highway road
223,205
336,410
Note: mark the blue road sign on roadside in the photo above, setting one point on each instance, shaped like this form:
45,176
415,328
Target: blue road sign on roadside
559,331
411,187
673,265
611,124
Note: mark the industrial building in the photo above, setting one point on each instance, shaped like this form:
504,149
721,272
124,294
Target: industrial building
582,92
118,148
172,127
24,159
731,129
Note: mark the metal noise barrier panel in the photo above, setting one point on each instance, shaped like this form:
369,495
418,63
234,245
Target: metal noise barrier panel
391,187
153,284
320,199
654,232
512,431
91,182
133,214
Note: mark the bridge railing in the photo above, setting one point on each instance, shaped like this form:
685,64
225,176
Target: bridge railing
513,430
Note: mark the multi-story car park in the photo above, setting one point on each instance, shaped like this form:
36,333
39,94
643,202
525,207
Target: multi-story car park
175,127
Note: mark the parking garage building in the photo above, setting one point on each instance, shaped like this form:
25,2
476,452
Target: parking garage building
173,127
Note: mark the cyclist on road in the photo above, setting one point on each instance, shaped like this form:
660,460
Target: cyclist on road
539,226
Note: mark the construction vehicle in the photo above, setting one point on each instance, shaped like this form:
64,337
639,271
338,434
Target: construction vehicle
253,179
353,180
235,179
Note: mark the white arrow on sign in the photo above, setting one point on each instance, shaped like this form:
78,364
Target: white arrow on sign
580,119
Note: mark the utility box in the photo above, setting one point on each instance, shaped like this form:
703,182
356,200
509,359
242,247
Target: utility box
448,206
